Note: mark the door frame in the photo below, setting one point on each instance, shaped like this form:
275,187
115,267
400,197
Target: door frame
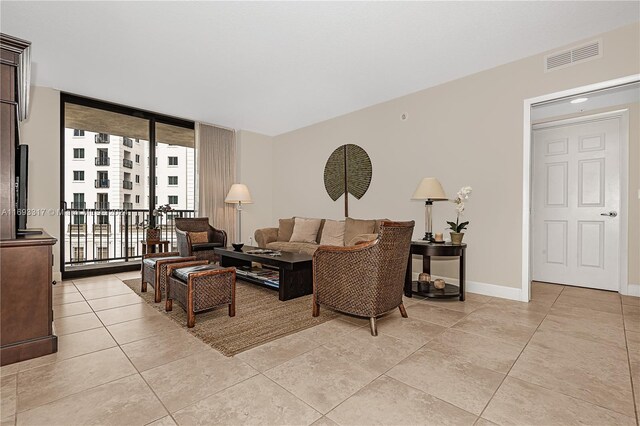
623,213
527,158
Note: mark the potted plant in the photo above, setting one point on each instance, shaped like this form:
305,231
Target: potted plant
457,227
153,232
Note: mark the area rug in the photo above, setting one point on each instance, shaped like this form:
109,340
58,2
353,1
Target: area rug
260,318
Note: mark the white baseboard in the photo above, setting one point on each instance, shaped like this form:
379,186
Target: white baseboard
633,290
486,289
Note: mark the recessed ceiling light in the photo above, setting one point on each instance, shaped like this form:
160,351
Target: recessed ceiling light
579,100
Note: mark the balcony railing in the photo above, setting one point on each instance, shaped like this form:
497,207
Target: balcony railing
101,138
102,161
127,163
127,142
102,205
127,206
127,184
102,183
122,235
78,205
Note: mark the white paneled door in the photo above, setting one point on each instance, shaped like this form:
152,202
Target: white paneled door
576,201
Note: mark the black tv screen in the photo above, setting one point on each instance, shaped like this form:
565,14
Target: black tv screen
22,164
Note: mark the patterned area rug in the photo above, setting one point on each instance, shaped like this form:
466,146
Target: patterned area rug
260,318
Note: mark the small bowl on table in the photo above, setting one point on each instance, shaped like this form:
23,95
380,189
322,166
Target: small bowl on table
237,246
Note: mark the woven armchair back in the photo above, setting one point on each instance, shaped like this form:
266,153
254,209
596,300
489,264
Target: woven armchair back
192,224
365,280
201,224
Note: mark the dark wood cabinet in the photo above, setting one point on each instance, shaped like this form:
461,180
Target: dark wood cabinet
26,315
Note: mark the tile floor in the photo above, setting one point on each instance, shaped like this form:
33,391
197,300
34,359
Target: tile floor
571,356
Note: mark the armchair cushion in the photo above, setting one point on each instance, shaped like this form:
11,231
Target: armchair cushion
183,273
199,237
305,230
205,246
305,248
355,227
285,229
362,238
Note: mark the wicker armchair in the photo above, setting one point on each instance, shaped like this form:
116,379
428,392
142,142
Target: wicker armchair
202,251
365,280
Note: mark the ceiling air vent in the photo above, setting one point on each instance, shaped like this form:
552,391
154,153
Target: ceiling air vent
565,58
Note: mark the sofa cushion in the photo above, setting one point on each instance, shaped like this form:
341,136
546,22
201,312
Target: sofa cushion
199,237
355,227
183,273
285,229
305,230
151,261
205,246
333,233
306,248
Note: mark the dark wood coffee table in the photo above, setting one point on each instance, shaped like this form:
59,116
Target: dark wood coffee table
295,273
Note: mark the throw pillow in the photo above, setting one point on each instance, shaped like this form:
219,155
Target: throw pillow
305,230
285,229
362,238
355,227
199,237
332,233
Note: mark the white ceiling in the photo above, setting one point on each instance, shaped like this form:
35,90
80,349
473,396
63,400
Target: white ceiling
272,67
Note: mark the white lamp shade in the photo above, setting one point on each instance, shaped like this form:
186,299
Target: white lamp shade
429,189
239,193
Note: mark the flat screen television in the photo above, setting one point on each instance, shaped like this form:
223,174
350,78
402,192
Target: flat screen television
22,165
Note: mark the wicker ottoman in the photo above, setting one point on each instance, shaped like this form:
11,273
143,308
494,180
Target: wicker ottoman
154,270
199,286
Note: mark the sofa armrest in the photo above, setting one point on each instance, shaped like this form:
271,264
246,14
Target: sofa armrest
265,236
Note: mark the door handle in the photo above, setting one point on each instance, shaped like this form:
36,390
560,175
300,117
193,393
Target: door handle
610,214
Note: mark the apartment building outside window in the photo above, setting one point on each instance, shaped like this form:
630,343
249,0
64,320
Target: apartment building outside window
137,178
78,132
102,252
173,161
138,158
173,199
78,153
78,175
78,254
173,180
78,201
79,219
137,199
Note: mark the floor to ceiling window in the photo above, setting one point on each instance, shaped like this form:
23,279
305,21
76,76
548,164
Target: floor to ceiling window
110,156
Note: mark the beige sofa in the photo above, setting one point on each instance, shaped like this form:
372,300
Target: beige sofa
355,231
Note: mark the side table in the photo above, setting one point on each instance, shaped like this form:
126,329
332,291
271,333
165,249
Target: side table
426,250
150,246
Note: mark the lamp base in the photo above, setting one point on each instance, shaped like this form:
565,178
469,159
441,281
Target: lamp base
428,236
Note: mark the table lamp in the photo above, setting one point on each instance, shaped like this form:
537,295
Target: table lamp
238,194
429,190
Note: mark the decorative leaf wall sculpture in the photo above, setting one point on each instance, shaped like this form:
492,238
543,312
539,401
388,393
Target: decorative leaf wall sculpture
348,171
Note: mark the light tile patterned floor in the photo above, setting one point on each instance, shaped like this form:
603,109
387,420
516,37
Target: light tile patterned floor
571,356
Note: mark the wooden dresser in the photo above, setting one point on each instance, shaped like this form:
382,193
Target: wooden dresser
26,314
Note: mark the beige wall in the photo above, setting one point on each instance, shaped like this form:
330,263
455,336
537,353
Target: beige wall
42,133
465,132
255,171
